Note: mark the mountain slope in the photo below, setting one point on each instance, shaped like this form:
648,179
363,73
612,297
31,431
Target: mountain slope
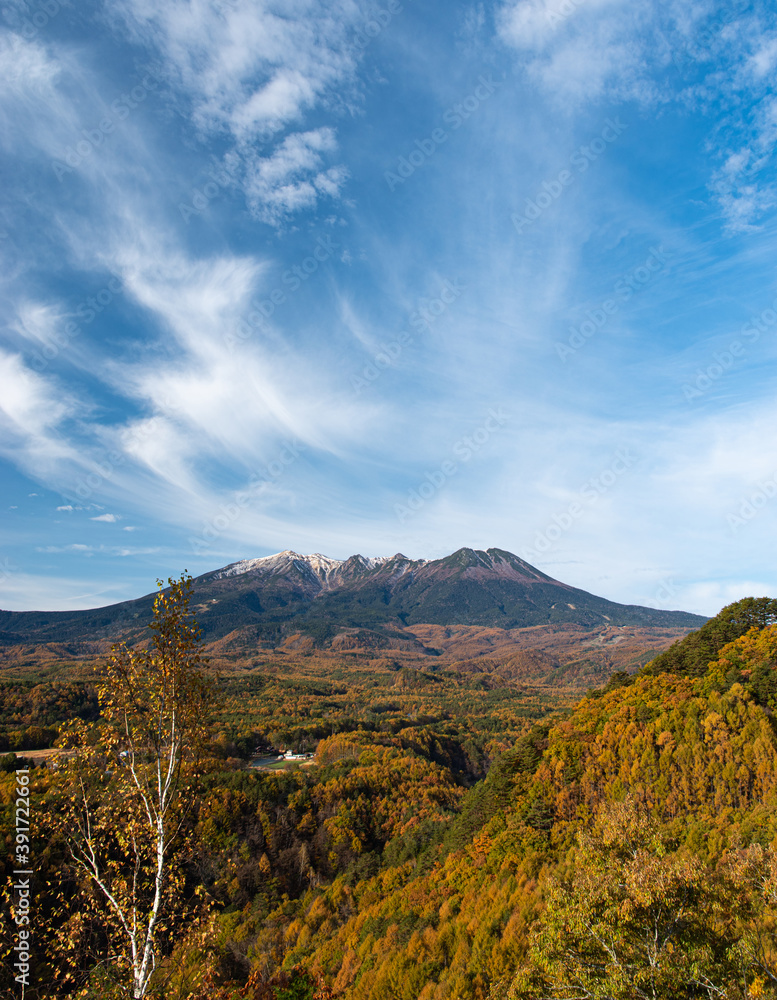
646,801
273,596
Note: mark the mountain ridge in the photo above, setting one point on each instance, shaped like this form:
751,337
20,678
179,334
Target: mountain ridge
271,597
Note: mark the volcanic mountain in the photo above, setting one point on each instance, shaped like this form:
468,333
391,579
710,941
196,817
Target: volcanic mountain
270,598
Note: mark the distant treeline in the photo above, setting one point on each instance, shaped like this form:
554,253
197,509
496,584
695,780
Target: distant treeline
30,713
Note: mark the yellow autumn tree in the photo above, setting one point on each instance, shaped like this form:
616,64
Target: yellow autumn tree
127,789
752,660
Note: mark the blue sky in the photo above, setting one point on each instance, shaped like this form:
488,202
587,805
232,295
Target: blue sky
349,277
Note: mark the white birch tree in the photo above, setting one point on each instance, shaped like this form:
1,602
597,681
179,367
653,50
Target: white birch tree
130,787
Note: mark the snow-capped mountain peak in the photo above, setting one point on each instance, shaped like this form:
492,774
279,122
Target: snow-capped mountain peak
282,562
321,566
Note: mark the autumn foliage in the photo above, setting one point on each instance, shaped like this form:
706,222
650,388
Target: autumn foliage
624,848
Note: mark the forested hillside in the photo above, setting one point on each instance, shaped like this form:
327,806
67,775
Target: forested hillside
651,806
456,842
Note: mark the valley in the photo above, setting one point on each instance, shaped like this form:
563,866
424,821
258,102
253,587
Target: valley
435,778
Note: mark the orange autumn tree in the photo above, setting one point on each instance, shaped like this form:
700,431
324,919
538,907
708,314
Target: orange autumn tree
128,789
635,919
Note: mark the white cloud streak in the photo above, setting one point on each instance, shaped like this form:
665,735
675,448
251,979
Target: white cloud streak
594,50
32,411
251,71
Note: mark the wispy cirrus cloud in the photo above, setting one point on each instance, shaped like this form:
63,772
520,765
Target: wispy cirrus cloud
250,73
249,68
718,61
27,73
33,410
242,74
234,402
195,370
579,52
